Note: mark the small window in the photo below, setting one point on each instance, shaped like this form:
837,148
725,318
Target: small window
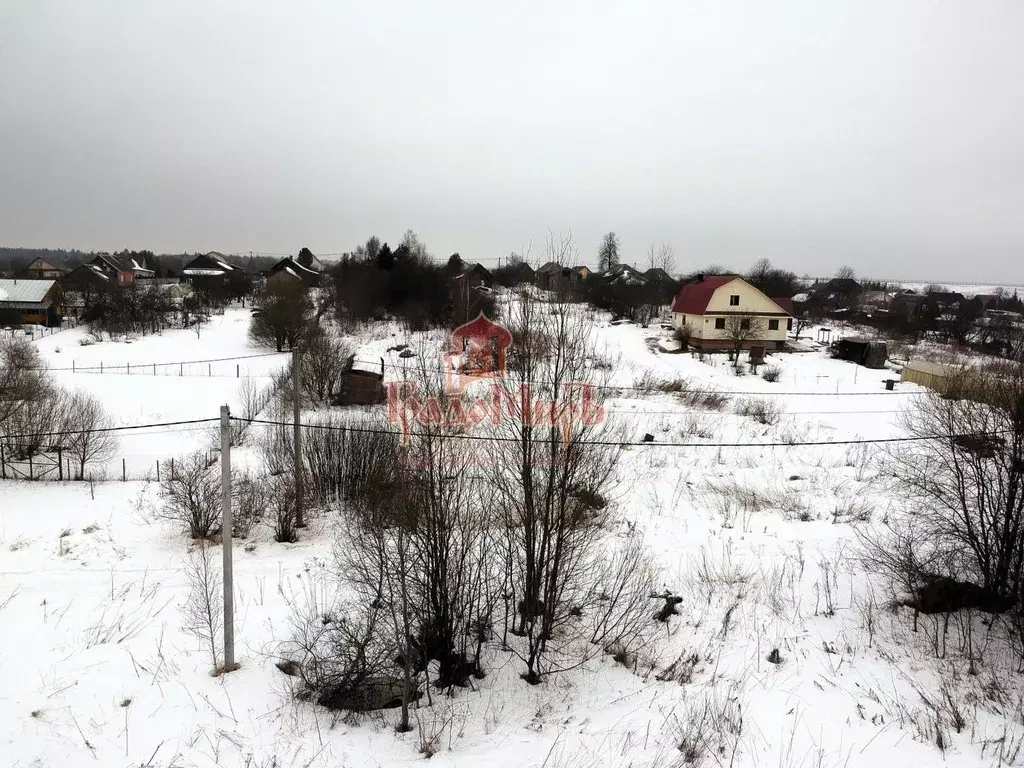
789,324
734,300
773,325
745,323
720,323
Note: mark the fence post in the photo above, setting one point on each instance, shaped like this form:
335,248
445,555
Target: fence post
60,464
181,369
30,467
124,470
128,367
209,369
72,366
3,464
238,369
101,366
158,470
154,369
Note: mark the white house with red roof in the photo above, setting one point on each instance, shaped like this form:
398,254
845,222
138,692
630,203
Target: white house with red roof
710,307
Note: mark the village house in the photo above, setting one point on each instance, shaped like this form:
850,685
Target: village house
30,302
288,269
48,268
706,309
212,272
555,277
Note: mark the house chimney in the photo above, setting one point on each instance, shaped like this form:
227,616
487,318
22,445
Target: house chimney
700,277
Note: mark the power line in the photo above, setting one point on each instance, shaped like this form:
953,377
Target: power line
638,444
65,433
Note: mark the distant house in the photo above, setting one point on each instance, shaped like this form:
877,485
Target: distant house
477,275
211,272
522,273
30,302
942,301
906,304
553,276
705,306
839,292
290,269
623,274
48,268
875,299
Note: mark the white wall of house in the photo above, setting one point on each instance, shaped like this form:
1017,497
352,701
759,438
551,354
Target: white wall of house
736,297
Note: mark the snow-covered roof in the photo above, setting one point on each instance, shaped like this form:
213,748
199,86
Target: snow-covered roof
198,271
24,290
220,259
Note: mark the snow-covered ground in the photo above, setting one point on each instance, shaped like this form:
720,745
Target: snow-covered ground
757,539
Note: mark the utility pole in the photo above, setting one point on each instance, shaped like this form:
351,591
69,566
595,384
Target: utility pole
225,501
297,438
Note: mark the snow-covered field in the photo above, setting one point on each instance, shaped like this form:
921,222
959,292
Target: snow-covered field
757,539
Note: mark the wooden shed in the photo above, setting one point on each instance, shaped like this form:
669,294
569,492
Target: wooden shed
870,354
360,384
936,376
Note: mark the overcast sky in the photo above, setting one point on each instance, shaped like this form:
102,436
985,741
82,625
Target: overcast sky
887,134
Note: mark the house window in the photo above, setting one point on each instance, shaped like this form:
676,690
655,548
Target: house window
720,323
734,300
745,323
789,324
773,325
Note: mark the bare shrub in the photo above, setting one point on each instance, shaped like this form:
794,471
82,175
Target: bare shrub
345,457
282,501
852,510
249,500
190,496
962,477
697,425
771,373
342,651
711,728
321,364
761,410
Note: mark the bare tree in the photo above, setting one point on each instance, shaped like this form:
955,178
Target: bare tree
846,272
191,495
548,476
661,257
202,616
23,379
741,329
281,315
89,439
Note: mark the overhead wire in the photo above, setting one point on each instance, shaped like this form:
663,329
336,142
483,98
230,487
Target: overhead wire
623,444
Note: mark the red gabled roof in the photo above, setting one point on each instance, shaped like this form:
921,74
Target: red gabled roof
786,305
693,297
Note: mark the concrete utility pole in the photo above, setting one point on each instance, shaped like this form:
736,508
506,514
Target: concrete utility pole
225,500
297,439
